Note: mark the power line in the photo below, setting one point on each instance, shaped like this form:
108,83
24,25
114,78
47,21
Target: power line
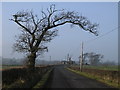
103,34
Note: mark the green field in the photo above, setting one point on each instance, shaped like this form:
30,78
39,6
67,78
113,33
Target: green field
112,68
3,67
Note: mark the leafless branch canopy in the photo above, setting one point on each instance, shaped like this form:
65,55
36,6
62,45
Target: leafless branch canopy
36,31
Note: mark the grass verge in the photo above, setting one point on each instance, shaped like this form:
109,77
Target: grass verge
43,80
95,77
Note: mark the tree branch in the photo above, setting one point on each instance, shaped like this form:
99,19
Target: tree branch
17,21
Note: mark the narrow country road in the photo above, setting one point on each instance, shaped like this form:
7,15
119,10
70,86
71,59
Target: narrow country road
63,78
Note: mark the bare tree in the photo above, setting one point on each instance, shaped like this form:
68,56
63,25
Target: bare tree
93,58
36,32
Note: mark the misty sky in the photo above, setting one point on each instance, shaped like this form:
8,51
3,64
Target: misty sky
68,39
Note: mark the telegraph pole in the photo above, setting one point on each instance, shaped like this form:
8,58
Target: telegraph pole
50,59
68,58
81,58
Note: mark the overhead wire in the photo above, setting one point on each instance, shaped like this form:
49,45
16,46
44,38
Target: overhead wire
102,35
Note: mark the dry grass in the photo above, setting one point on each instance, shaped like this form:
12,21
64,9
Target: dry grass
106,76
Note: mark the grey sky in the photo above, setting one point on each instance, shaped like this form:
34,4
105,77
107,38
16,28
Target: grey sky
69,39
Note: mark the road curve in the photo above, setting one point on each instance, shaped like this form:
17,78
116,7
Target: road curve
62,78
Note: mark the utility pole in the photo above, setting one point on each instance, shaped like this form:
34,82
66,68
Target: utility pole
50,59
81,58
68,58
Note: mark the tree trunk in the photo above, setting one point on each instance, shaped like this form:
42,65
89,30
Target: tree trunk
31,61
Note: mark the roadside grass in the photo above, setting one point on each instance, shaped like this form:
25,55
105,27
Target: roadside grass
108,82
43,80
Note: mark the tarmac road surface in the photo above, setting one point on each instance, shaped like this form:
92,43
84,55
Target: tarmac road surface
63,78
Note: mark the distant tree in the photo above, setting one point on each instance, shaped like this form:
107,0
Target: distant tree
36,31
85,58
92,58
